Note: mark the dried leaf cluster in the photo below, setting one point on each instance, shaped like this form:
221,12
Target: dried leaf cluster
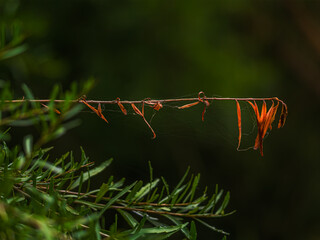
264,120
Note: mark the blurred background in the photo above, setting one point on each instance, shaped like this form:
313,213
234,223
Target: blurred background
169,49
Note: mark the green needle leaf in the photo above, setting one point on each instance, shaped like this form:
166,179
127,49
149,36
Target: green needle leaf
115,198
92,173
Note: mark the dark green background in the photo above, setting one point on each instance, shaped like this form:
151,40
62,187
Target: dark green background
168,49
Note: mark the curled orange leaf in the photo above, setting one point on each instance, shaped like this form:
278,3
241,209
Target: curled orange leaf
283,115
124,111
98,112
203,112
137,111
239,123
154,134
56,110
202,98
274,115
157,106
142,108
89,106
188,105
264,122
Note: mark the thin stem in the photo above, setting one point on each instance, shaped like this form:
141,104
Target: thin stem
167,213
149,101
22,192
134,203
28,196
74,170
186,215
157,104
101,233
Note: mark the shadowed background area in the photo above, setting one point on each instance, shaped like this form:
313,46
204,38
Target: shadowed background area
168,49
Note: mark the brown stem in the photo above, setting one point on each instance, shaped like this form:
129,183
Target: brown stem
160,212
135,203
101,233
151,101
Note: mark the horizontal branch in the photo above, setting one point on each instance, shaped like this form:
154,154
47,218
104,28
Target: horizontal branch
151,211
264,118
122,201
147,101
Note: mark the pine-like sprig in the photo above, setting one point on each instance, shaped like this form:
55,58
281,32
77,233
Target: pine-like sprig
53,199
